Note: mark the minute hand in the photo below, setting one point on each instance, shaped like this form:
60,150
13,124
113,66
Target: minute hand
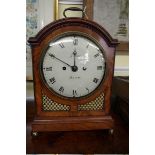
74,53
53,56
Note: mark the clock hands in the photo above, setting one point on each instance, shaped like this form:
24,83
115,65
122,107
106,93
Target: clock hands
53,56
74,68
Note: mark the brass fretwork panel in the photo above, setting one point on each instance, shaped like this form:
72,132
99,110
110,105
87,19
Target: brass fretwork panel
49,105
96,104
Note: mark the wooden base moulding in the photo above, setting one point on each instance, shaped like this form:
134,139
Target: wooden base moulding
72,123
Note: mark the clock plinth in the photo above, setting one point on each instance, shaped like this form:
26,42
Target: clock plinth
46,124
73,65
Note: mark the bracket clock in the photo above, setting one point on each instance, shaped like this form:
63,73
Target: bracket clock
73,64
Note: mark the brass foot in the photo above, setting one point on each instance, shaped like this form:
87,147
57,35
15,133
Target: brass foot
35,134
111,131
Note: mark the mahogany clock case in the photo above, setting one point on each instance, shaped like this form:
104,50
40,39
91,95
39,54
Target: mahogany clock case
72,119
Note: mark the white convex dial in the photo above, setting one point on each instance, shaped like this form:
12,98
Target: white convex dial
73,66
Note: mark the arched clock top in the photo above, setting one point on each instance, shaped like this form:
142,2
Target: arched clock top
43,33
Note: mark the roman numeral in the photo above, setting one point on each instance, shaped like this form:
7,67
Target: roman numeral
99,67
61,89
74,93
87,46
61,45
48,68
95,80
52,80
87,90
75,41
96,55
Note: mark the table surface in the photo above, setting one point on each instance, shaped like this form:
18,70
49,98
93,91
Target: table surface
78,142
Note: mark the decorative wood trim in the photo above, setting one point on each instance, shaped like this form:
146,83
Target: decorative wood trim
35,41
72,123
89,8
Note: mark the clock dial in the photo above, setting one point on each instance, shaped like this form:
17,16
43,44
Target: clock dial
73,66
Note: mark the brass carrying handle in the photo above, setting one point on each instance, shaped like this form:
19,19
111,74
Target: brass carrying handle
73,9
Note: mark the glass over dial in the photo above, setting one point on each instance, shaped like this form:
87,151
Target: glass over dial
73,66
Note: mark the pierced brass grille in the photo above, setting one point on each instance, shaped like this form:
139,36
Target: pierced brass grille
96,104
49,105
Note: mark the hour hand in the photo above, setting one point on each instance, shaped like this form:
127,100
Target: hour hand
74,53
